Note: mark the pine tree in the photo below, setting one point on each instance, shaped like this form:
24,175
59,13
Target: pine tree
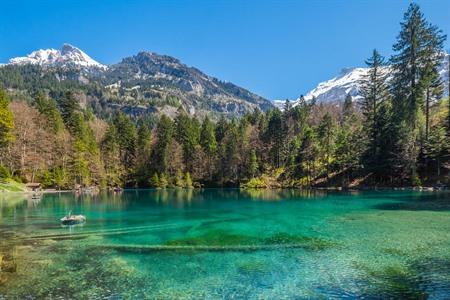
348,145
448,94
431,81
221,128
164,136
208,138
287,105
68,105
208,143
188,135
143,154
325,133
274,135
307,156
436,146
375,95
229,157
163,182
347,109
434,89
48,108
127,140
110,150
253,164
416,44
154,181
179,181
6,121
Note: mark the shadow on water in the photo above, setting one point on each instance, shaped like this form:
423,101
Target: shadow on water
418,202
399,282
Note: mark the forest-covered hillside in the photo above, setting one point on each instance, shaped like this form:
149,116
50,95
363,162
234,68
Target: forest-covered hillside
397,133
146,84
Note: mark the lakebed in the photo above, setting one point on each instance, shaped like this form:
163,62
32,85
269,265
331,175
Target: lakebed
227,243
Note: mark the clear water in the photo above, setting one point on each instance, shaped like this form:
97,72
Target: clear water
228,244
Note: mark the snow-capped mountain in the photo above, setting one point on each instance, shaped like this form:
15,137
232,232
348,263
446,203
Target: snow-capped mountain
143,83
68,56
337,88
347,82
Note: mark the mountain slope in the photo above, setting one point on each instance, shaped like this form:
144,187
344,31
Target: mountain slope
150,73
347,82
141,84
68,56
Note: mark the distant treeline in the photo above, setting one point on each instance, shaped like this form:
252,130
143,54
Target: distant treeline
398,133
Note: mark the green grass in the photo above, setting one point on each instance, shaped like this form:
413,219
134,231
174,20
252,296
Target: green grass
9,185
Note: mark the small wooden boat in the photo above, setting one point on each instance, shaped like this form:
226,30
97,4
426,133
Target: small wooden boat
36,196
73,220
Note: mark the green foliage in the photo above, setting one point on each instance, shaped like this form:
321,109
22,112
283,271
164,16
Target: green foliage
48,108
208,138
188,135
398,133
163,181
10,185
253,164
418,50
188,181
274,135
46,179
6,121
256,183
68,106
127,139
179,180
376,110
60,177
154,182
164,136
110,150
143,153
4,173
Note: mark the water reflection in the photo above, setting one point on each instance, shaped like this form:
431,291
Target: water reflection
130,245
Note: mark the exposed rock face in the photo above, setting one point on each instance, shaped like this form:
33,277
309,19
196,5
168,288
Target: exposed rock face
145,82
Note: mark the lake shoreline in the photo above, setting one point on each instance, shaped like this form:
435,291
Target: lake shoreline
330,188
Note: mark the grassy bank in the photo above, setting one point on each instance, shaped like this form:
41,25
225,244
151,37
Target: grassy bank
9,185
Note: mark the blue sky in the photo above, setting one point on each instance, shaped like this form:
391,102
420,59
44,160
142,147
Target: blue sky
278,49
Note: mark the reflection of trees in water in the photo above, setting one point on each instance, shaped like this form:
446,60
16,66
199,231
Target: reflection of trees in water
282,194
177,197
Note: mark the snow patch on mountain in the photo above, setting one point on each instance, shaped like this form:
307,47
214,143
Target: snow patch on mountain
339,87
347,83
68,56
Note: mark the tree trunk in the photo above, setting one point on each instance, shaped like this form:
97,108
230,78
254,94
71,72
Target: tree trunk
438,167
448,115
427,114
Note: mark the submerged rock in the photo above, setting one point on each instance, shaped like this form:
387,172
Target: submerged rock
8,264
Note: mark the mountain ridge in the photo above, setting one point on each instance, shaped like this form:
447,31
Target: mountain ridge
145,80
68,56
347,82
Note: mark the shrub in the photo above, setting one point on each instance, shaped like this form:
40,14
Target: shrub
255,183
4,173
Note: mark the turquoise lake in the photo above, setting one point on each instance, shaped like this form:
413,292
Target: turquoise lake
227,244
